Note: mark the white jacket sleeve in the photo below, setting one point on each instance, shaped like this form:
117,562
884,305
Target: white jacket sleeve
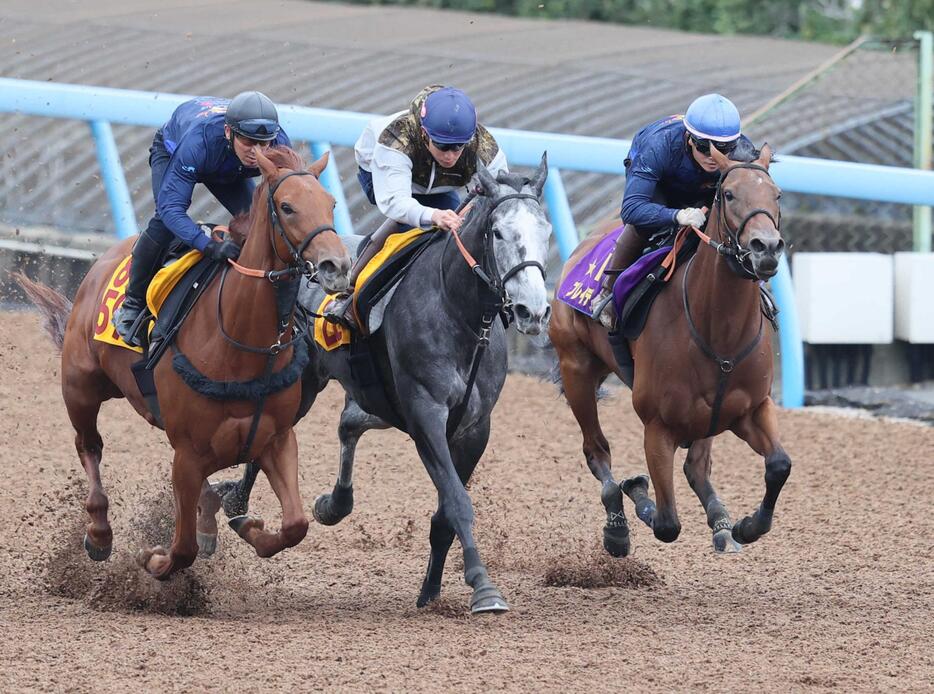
392,188
498,164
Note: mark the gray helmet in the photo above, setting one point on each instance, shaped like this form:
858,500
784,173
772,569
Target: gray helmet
253,115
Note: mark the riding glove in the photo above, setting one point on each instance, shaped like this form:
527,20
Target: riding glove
691,216
220,251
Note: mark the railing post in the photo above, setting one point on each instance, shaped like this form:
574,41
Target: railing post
789,338
560,212
331,180
121,205
923,118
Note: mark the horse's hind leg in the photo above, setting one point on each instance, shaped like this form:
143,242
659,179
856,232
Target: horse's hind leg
280,463
466,452
697,466
83,406
581,375
330,509
760,431
659,456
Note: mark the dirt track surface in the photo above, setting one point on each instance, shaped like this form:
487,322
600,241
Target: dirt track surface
837,596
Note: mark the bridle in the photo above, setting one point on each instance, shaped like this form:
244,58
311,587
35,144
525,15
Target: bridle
487,270
494,301
735,254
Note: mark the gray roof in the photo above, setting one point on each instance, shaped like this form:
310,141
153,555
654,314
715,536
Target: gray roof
560,76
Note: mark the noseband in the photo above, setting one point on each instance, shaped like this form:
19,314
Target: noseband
307,267
735,254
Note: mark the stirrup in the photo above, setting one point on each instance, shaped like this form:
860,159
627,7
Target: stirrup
608,320
130,334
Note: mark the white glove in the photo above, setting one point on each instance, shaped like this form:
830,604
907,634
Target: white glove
691,216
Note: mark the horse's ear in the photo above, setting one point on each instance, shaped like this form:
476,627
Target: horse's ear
538,180
722,161
765,156
487,182
318,166
268,169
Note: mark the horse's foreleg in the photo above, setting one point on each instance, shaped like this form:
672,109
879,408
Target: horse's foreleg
760,431
83,408
280,463
466,452
697,467
455,505
659,456
581,375
187,480
330,509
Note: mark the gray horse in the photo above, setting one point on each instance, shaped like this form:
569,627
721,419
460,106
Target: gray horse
441,326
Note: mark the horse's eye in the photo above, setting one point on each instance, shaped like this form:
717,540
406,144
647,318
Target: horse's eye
286,208
497,233
779,196
728,195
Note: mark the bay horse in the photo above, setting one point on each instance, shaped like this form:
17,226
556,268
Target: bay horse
703,365
239,331
442,355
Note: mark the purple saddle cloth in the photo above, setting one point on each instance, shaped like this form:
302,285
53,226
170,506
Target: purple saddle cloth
584,280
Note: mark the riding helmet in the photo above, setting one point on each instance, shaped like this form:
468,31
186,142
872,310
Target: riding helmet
448,116
712,117
253,115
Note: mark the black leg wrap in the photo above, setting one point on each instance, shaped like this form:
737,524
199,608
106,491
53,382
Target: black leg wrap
637,489
331,509
616,530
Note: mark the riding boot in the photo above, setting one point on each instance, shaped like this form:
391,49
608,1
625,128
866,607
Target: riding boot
147,256
341,309
629,247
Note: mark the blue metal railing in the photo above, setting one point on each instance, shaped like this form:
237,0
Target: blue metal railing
101,106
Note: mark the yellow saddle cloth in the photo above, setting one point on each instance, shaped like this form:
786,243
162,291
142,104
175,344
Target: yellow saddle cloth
330,335
159,289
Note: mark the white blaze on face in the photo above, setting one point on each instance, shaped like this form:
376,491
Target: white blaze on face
526,234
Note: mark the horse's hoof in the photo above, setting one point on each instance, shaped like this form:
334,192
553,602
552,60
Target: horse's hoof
488,599
241,524
428,595
207,544
633,482
326,512
723,542
615,542
94,552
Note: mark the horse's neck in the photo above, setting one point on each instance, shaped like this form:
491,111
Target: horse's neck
459,281
724,306
249,303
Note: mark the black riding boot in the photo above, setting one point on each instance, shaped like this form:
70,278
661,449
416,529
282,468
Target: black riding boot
629,247
341,309
147,256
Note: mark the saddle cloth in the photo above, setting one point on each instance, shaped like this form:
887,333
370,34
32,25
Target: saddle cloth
584,280
373,289
159,289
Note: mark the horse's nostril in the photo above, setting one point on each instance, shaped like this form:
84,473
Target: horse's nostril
780,247
327,267
547,315
757,246
522,312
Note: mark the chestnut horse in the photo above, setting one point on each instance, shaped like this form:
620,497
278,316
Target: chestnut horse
703,365
233,335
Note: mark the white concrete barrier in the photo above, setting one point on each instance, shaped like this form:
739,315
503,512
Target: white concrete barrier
914,297
844,298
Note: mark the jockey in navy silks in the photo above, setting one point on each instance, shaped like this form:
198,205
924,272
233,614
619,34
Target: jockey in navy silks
670,179
411,165
207,140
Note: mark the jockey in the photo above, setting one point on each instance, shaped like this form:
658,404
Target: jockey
670,178
411,165
207,140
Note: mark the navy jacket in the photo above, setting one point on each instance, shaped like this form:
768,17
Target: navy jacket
194,136
662,176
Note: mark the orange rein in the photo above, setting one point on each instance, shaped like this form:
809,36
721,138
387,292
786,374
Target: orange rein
671,260
243,270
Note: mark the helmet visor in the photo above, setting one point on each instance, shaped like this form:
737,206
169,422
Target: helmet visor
261,129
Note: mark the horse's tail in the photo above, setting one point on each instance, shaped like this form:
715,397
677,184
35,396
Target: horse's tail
54,307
